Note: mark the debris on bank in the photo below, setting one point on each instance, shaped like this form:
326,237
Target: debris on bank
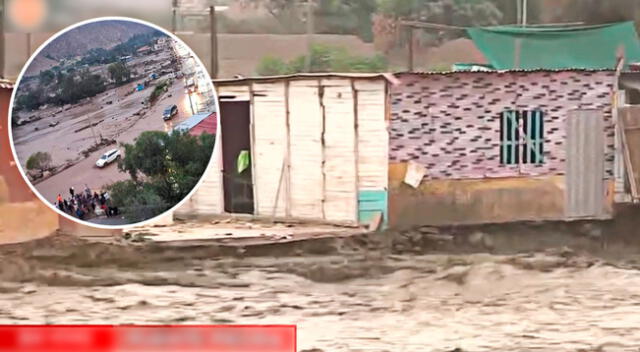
238,232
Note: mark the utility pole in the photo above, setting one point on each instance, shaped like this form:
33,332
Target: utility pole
519,12
214,42
524,13
28,45
310,30
174,5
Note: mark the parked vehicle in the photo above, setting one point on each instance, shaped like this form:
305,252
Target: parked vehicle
108,157
190,85
169,112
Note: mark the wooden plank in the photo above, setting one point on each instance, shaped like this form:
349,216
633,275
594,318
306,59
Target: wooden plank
627,155
376,221
305,155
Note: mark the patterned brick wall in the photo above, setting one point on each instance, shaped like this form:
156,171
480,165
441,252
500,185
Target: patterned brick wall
450,122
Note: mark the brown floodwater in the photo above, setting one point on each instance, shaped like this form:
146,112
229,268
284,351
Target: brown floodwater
356,294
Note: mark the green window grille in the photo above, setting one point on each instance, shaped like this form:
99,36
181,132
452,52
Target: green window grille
522,137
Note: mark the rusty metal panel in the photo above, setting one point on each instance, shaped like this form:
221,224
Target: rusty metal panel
270,148
585,164
373,137
341,198
305,151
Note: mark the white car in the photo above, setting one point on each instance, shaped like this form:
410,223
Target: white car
108,157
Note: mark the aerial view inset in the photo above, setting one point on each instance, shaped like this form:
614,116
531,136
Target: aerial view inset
105,122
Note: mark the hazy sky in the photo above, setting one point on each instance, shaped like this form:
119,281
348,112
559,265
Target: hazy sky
62,13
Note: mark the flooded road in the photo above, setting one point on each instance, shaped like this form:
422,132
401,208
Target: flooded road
354,298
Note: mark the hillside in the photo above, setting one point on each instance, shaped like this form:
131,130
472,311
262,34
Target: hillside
106,34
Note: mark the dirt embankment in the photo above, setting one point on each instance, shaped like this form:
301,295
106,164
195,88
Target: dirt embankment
524,287
71,261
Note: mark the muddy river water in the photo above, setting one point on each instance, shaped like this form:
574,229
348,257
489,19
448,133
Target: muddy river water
352,299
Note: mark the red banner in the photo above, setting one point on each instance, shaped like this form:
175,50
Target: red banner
145,338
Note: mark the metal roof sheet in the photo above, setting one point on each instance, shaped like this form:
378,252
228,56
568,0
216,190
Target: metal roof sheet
192,121
6,84
442,73
388,76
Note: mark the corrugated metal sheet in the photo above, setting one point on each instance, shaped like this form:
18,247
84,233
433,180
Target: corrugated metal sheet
448,73
373,137
269,148
585,164
208,125
6,84
306,150
340,183
303,76
193,121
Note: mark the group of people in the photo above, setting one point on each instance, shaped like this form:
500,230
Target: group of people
87,203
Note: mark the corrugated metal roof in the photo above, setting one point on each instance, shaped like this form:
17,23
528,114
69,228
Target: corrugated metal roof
192,121
6,84
388,76
443,73
208,125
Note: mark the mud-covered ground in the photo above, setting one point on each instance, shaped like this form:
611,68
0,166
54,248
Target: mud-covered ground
419,290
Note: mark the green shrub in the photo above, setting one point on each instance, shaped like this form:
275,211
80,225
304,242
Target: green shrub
39,161
324,58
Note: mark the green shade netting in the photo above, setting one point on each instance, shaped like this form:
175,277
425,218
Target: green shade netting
557,47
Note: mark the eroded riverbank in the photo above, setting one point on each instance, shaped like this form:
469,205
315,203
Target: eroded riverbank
407,291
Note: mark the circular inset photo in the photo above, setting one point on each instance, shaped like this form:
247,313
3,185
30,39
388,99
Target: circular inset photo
113,122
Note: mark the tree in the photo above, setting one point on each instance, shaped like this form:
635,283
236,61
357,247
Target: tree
40,161
119,73
29,99
345,17
330,16
46,77
163,169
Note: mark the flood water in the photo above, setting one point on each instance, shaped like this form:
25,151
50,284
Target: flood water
352,299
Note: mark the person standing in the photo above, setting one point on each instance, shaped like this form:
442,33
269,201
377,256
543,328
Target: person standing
72,191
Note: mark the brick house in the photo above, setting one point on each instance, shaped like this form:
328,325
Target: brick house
503,146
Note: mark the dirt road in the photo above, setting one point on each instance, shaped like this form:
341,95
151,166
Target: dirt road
353,297
85,172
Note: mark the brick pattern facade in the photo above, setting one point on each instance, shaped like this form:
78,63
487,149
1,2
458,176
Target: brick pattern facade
450,122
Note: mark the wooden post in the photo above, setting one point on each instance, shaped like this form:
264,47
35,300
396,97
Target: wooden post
410,64
214,42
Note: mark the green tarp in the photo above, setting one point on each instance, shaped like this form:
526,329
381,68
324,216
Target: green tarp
243,161
557,47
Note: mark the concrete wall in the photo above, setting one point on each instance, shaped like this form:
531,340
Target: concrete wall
478,201
450,124
23,216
